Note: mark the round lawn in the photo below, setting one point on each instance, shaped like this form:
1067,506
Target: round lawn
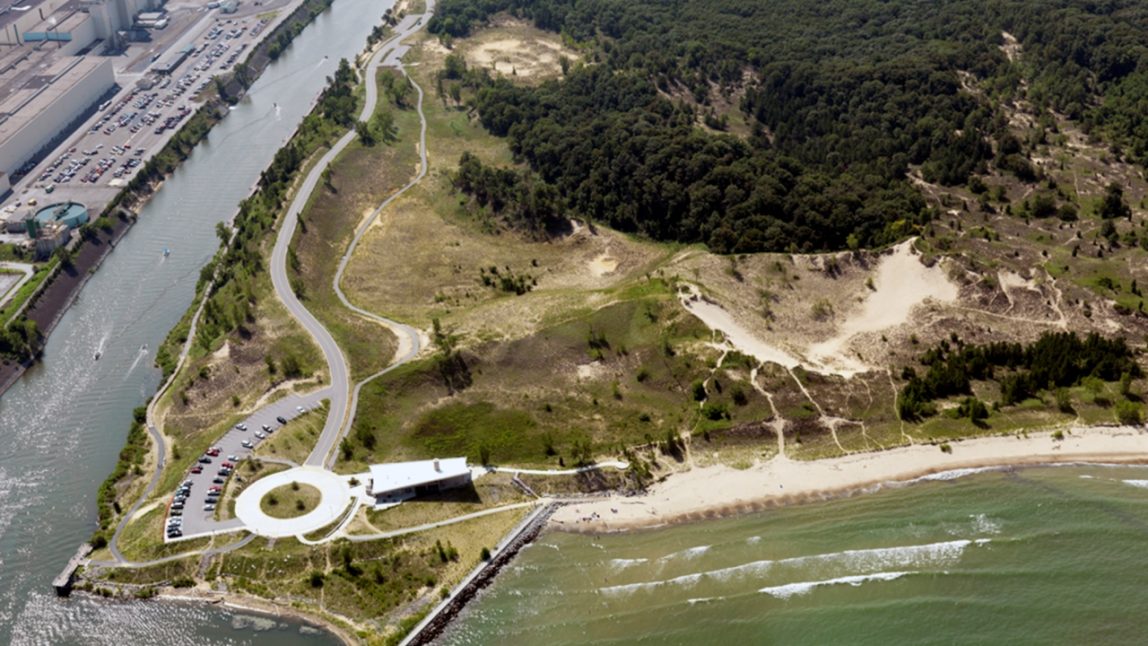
290,500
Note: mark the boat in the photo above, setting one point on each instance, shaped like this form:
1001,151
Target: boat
98,353
166,252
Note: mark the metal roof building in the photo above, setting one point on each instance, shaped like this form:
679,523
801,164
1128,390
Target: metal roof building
401,480
43,107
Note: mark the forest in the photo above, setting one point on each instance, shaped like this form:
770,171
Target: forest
1055,360
842,97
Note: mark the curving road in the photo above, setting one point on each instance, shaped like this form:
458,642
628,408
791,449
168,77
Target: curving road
340,395
343,401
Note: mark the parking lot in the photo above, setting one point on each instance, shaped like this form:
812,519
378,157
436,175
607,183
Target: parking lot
125,131
235,446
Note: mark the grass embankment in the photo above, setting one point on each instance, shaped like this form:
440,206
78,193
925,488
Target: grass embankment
359,180
374,584
290,500
296,440
248,471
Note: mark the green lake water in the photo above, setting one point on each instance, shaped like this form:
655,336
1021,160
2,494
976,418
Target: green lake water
1036,556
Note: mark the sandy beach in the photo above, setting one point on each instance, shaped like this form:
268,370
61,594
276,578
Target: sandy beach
711,492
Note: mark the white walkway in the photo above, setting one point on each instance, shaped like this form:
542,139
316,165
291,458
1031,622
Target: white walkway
334,489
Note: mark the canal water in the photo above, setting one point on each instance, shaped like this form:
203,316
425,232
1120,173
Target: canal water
63,424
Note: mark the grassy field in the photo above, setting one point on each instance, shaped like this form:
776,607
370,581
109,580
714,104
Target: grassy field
373,584
360,179
296,440
290,500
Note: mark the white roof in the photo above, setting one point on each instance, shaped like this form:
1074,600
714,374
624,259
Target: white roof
399,475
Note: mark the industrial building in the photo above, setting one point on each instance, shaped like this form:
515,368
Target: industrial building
71,214
50,227
397,481
42,105
176,60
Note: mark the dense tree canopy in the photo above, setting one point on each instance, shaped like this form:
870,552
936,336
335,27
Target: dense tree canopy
842,98
1055,360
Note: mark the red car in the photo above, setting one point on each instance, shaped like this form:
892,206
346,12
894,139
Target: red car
197,469
213,452
227,465
216,489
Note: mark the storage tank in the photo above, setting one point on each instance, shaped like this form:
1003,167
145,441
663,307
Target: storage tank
72,214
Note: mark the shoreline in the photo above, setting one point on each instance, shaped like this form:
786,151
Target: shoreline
707,493
247,603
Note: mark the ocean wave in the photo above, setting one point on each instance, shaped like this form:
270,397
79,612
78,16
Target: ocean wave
689,553
621,564
982,524
805,587
930,555
953,474
1140,484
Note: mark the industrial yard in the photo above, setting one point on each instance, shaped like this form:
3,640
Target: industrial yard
90,97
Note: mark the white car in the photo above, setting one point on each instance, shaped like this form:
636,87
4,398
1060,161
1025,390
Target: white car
301,409
247,444
209,507
259,435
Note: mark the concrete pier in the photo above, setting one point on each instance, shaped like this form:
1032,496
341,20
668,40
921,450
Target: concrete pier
63,582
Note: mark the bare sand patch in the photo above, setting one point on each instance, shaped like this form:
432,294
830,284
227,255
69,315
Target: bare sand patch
516,49
717,318
900,284
603,265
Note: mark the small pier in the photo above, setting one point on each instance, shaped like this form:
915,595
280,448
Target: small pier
63,582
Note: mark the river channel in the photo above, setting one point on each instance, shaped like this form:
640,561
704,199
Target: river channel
63,424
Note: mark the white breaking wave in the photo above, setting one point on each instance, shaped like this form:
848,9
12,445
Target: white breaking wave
982,524
1142,484
931,555
621,564
953,474
689,553
805,587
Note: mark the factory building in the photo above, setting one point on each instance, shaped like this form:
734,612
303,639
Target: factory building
46,103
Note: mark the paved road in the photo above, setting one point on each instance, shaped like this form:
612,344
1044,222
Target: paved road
341,410
198,522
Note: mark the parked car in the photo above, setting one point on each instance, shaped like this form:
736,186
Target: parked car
209,507
197,469
247,444
281,420
205,460
259,435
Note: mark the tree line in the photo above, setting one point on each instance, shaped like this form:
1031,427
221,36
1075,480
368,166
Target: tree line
1055,360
